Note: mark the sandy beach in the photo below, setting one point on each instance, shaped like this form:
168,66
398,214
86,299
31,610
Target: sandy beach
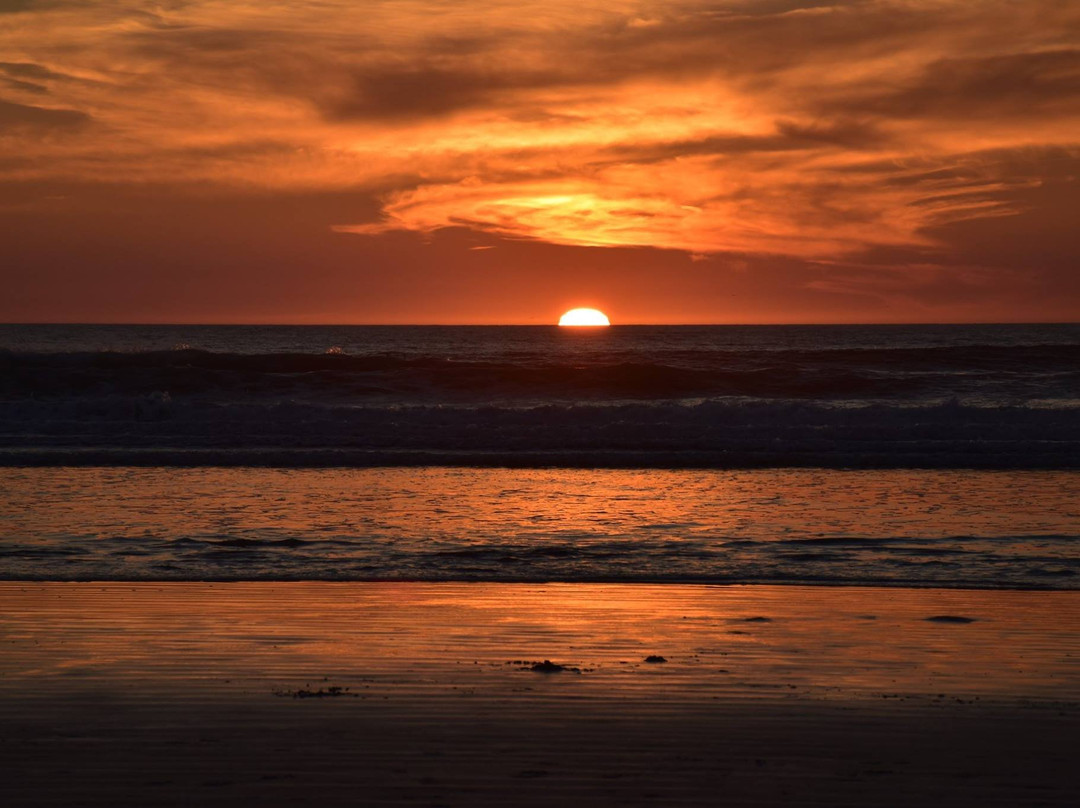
431,694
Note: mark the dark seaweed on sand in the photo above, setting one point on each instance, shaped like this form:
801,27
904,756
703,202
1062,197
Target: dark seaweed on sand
950,618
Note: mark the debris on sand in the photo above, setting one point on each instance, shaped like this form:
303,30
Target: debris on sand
950,618
654,658
334,691
547,666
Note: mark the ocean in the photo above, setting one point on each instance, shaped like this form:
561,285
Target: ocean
888,455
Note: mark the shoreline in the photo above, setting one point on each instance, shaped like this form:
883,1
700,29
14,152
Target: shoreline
915,586
1000,530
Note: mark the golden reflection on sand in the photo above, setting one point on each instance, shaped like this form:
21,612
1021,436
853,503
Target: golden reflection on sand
432,639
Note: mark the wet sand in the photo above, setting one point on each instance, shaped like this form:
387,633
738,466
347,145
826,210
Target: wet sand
426,694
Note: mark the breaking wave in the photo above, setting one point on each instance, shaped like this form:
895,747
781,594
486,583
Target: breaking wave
979,396
992,372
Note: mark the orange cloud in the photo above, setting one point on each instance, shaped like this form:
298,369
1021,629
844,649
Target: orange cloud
788,128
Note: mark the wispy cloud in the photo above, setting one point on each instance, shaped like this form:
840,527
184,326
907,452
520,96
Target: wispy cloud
808,129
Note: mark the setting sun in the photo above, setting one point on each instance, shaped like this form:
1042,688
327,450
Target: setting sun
591,317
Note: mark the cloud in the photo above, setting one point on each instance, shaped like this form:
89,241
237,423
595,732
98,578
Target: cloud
812,130
417,92
14,6
24,116
1015,84
28,70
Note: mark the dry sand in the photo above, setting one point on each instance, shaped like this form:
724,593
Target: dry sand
197,694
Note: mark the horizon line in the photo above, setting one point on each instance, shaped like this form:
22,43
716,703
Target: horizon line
529,325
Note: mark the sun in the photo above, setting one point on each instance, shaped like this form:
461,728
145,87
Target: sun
591,317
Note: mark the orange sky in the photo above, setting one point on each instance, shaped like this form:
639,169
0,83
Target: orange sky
423,161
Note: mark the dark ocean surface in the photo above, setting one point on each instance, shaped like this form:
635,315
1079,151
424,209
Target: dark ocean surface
908,456
997,396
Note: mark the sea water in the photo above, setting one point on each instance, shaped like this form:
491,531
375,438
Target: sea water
907,455
953,528
712,397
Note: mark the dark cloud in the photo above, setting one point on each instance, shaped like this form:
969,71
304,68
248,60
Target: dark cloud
24,86
23,116
409,92
29,70
16,75
749,42
12,6
1011,84
846,134
789,136
751,45
438,76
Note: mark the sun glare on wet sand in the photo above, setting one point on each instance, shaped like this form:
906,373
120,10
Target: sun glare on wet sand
589,317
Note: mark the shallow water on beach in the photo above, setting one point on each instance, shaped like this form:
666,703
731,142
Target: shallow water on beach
1015,529
424,638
